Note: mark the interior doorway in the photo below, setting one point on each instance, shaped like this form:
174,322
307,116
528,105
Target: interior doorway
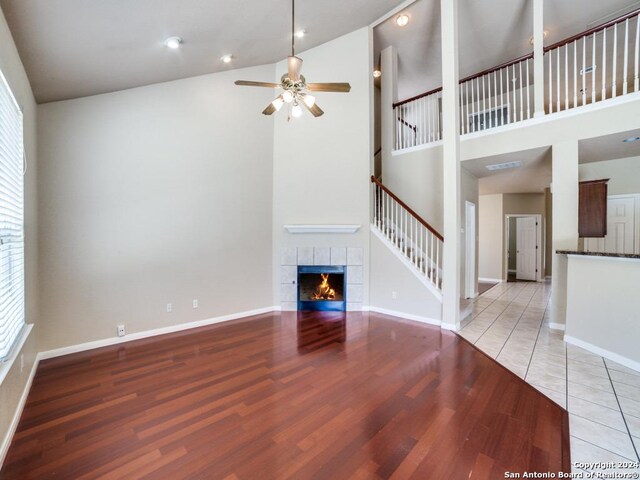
524,247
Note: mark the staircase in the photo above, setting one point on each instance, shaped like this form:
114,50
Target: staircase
416,243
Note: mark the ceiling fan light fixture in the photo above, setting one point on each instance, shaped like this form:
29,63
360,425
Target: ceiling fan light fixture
173,42
402,20
377,73
309,100
296,110
287,96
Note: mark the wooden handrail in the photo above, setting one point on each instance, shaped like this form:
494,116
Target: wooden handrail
426,94
408,209
412,127
529,56
593,30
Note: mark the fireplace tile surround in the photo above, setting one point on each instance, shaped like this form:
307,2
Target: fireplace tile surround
351,257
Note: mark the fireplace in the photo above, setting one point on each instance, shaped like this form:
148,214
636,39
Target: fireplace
322,288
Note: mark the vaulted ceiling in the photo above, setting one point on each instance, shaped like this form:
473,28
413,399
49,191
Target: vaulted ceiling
490,33
75,48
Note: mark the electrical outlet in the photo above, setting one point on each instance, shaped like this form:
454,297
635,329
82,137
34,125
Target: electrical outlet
21,362
394,295
121,331
169,308
195,303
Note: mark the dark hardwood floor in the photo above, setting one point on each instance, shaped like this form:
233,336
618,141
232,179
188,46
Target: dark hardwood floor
319,395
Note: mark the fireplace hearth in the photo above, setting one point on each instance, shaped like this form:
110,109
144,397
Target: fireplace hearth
321,288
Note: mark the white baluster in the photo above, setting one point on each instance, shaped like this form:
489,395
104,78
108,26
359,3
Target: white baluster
501,98
521,93
604,64
575,73
484,105
490,121
593,72
614,60
584,73
514,79
473,107
558,78
626,57
550,83
528,93
636,83
566,76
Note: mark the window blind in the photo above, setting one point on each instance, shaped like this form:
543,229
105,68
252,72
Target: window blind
11,220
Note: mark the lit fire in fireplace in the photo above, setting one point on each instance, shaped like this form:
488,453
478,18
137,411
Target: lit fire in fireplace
324,290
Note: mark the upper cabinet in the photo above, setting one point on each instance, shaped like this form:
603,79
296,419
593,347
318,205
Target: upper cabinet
592,210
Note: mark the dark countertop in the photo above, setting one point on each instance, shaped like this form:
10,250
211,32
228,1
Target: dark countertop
598,254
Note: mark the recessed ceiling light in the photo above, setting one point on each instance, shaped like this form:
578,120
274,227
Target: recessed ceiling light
226,58
377,73
545,34
631,139
503,166
173,42
402,20
300,33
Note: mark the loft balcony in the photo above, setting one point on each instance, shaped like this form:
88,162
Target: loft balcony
598,65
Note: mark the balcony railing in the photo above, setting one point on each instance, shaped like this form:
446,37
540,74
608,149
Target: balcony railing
590,67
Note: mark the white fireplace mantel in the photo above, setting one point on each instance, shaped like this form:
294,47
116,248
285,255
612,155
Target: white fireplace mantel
322,228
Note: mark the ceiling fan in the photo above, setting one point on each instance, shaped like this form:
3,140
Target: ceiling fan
295,89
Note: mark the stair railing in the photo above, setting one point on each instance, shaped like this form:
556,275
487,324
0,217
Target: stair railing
412,236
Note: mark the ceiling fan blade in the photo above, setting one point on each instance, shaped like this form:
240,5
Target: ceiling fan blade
315,110
329,87
294,64
270,110
248,83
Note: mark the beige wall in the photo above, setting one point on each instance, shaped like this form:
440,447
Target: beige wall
493,232
321,166
548,226
389,275
490,239
153,196
13,385
623,174
600,311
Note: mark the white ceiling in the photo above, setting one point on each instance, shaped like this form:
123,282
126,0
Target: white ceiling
490,33
532,177
609,147
75,48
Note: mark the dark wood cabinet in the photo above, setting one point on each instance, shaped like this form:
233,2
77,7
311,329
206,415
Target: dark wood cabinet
592,209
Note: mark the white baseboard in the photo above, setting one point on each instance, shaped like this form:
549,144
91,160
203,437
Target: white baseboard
512,271
557,326
627,362
6,441
58,352
450,326
406,316
490,280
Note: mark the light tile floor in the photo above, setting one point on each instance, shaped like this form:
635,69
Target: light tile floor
510,323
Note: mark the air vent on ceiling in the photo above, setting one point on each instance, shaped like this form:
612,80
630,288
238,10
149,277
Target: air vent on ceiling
503,166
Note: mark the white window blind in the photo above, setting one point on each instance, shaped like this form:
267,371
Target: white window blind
11,221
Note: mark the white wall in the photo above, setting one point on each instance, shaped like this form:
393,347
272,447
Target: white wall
490,238
623,174
388,275
600,309
12,387
155,195
321,166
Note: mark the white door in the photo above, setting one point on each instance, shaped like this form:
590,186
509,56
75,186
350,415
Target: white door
470,241
621,226
526,248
